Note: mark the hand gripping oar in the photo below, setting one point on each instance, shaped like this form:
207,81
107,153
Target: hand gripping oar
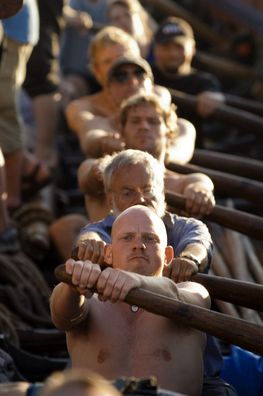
232,330
246,294
237,220
239,118
233,185
9,8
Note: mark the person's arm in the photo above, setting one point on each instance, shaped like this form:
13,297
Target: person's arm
90,177
180,149
69,305
208,102
192,244
97,135
80,20
197,189
98,142
124,282
192,259
90,246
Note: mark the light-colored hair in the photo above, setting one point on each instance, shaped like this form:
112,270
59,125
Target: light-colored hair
76,379
168,112
152,167
111,35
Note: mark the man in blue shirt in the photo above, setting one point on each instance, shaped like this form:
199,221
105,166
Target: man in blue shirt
134,177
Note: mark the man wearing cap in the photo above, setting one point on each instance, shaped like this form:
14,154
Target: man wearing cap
174,49
94,118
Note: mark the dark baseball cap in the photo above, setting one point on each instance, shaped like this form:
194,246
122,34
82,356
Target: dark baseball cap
130,60
173,29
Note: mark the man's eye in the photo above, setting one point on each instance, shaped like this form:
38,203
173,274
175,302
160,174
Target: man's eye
135,121
149,238
127,237
127,193
154,121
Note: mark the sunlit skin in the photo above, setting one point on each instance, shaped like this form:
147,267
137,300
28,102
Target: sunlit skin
105,335
146,130
136,190
136,245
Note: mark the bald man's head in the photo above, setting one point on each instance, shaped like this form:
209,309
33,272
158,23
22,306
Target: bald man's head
139,242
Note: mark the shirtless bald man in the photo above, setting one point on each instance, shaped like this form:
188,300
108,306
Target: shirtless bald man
105,335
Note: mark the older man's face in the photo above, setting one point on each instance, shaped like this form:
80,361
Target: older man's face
128,80
131,185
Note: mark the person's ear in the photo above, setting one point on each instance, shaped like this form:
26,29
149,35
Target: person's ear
169,254
108,254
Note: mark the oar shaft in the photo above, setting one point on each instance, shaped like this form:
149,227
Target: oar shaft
234,164
235,186
237,117
232,330
246,294
237,220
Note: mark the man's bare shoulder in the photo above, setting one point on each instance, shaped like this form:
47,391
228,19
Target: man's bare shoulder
84,103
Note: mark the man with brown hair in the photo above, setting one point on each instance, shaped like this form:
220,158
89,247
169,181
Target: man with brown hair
94,118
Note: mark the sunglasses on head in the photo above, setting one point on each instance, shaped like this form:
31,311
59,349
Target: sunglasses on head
123,76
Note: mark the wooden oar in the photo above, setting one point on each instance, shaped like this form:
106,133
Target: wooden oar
253,106
234,164
245,294
9,8
239,118
232,330
235,186
237,220
225,67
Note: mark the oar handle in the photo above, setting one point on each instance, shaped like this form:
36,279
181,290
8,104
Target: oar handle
232,330
246,294
246,223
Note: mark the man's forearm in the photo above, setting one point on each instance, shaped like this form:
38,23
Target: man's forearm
67,306
197,252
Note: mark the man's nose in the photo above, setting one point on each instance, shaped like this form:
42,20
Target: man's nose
140,199
139,244
144,124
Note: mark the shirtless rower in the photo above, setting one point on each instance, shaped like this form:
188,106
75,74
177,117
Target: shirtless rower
105,335
94,118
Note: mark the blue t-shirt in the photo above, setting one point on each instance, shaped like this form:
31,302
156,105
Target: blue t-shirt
181,231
